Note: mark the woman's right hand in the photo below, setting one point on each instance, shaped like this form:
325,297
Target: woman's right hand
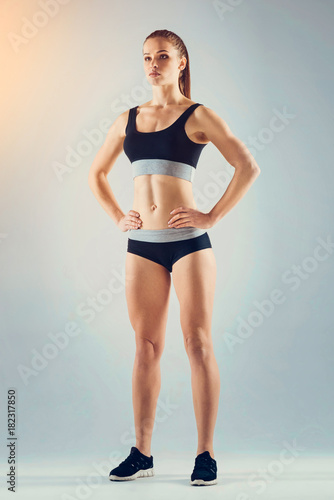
131,220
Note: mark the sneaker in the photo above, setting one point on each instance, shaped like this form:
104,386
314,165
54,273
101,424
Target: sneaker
135,465
205,470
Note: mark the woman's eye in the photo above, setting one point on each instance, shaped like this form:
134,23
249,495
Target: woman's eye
162,55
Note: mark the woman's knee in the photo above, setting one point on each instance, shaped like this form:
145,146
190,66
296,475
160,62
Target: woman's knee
198,341
148,349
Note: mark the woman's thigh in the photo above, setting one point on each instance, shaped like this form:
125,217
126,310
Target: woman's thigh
147,290
194,279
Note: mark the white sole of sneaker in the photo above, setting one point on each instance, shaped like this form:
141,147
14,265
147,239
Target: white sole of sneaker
201,482
140,473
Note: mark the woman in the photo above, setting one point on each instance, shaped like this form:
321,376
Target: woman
163,139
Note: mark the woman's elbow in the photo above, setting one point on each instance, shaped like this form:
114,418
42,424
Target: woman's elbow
92,178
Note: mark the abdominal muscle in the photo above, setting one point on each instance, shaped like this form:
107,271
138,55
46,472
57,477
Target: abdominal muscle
156,195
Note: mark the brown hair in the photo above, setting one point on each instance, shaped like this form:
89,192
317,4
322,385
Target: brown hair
177,42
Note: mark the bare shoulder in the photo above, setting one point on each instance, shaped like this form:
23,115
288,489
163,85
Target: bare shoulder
208,115
216,130
210,123
111,148
117,129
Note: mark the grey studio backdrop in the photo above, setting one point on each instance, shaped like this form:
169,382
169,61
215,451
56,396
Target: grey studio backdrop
266,68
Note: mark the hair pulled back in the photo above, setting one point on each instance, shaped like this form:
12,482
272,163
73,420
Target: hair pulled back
178,44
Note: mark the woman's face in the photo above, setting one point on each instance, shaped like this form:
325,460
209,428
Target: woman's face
160,56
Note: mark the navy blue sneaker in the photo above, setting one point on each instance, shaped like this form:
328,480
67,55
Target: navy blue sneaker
135,465
205,470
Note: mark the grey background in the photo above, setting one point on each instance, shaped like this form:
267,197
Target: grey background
58,247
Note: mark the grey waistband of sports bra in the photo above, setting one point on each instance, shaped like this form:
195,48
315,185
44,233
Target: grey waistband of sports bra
163,167
165,235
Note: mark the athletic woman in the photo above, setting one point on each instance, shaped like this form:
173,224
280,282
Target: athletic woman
163,139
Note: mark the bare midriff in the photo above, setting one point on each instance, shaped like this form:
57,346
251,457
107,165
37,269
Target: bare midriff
156,195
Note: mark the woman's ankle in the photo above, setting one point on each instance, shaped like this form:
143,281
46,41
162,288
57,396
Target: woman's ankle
143,450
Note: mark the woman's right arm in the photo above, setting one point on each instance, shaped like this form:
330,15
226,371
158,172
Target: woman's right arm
101,167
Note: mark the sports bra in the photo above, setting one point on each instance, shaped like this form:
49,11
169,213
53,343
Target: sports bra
167,152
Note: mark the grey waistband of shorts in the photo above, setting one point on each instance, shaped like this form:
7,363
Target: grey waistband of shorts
164,235
164,167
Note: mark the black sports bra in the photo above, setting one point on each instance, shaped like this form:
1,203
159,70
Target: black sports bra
167,152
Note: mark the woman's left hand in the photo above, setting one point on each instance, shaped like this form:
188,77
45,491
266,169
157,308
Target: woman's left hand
189,217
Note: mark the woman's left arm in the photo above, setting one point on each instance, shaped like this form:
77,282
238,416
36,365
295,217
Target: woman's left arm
236,153
216,130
